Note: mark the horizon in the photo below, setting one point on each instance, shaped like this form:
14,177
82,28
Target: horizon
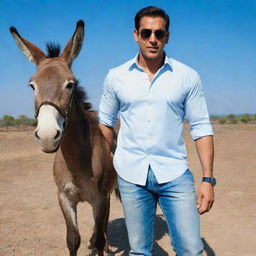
215,38
210,115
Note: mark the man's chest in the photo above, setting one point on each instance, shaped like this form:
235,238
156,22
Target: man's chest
136,89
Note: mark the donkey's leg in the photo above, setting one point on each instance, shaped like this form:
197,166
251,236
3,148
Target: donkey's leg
100,213
106,224
69,211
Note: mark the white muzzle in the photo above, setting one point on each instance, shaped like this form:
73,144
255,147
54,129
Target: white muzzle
49,128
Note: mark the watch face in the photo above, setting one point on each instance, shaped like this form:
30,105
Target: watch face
213,181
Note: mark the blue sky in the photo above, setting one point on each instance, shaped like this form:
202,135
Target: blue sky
215,37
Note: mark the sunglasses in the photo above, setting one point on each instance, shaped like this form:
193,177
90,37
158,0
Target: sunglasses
146,33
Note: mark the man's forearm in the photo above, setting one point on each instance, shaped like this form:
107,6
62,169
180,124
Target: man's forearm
108,133
205,151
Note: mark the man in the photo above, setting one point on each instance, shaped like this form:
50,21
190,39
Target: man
152,94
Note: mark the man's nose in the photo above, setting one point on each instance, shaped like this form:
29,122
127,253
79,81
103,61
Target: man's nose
152,38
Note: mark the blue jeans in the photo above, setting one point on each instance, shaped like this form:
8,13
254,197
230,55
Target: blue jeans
177,200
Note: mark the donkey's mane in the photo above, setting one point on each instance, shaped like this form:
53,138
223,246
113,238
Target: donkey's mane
53,50
81,97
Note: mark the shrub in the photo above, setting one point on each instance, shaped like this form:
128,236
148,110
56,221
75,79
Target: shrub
214,118
231,116
245,118
222,120
233,121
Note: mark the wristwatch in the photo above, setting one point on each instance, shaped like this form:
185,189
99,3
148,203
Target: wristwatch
212,181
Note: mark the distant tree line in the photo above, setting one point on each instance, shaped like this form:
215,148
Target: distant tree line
233,119
8,120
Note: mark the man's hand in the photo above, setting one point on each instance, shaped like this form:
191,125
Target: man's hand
205,197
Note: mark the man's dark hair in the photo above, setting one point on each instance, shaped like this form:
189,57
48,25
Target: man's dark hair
153,12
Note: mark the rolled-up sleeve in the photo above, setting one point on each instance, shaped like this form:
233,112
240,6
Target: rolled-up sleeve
196,110
109,104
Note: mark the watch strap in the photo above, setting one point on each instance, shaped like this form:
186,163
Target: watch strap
210,180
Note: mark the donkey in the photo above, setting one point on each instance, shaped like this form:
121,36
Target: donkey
83,169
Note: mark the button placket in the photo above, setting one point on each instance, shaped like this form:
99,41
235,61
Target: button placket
148,131
149,122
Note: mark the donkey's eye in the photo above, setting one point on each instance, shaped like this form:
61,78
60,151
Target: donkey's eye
70,85
32,86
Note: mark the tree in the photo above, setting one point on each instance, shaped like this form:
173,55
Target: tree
8,120
22,120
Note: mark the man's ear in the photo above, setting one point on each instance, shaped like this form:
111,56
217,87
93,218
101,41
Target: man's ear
167,37
136,35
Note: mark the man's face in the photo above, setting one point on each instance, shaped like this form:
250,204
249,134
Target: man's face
151,47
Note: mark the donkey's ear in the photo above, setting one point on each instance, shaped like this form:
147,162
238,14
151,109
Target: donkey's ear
31,52
74,46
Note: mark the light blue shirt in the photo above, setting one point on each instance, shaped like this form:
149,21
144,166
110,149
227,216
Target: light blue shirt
151,118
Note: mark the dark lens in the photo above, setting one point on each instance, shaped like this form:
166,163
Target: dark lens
145,33
160,34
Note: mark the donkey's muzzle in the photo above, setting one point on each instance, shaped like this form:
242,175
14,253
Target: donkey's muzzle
49,129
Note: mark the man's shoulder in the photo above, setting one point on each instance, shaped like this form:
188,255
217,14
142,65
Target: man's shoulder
181,68
121,68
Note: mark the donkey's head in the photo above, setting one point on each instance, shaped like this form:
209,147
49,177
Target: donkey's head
53,85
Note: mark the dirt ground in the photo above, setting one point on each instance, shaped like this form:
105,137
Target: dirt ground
31,222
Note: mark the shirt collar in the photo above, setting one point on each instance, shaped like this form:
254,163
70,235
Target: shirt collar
135,62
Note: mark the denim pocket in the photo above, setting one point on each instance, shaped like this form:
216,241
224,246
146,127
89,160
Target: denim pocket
185,183
126,187
189,175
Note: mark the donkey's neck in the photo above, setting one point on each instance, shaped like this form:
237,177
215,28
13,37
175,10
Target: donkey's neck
76,141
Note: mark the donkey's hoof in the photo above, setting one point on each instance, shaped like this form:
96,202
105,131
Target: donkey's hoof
95,253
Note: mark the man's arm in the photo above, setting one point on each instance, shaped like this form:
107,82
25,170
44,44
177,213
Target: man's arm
108,111
205,151
108,133
201,132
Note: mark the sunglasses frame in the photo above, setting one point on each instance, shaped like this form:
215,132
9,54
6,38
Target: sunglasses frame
150,31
